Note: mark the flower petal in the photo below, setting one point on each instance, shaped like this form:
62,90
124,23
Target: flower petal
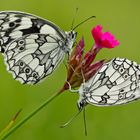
103,40
97,33
90,56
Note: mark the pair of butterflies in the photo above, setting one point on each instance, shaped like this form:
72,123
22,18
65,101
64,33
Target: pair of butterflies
33,48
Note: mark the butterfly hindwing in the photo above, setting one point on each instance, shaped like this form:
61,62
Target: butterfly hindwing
17,24
117,82
33,57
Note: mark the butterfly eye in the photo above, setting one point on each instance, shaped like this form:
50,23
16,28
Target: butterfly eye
69,34
73,35
121,70
80,105
35,75
27,70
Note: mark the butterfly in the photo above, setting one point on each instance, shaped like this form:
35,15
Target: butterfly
32,47
116,83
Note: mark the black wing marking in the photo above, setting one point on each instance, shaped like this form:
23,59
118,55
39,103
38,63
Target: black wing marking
33,57
17,24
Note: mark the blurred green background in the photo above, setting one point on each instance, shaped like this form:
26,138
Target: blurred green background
122,18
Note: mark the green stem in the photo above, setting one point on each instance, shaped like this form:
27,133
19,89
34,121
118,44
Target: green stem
30,115
10,124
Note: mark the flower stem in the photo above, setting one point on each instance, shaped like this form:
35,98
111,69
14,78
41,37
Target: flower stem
10,124
30,115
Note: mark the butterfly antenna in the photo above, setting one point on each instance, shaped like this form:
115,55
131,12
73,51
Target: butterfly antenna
85,124
70,89
83,22
74,18
69,121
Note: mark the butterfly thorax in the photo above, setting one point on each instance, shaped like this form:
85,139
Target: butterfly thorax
83,90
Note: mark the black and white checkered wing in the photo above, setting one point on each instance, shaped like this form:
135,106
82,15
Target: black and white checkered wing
33,57
17,24
117,82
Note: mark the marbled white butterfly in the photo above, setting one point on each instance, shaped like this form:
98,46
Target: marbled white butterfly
33,47
117,82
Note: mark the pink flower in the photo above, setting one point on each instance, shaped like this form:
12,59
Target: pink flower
81,65
103,39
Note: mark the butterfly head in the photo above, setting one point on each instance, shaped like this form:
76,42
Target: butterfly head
81,104
82,98
71,37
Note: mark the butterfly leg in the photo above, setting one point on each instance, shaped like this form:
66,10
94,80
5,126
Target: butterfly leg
70,89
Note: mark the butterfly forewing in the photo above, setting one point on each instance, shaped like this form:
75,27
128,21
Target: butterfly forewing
117,82
17,24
